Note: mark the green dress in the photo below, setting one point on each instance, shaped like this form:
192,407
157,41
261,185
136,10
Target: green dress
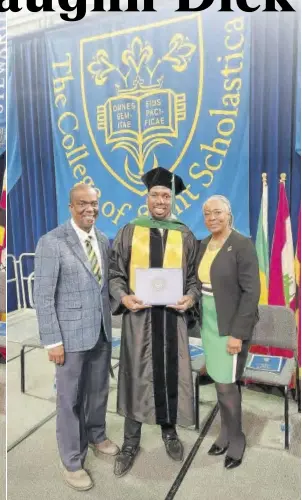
221,366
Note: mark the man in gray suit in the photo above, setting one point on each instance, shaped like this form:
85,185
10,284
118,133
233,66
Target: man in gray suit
73,311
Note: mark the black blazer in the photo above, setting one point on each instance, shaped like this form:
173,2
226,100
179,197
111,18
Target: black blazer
236,285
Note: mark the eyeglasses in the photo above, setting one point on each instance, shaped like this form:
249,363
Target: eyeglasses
214,213
94,204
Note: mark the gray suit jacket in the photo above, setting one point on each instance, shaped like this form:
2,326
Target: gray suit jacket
70,304
235,284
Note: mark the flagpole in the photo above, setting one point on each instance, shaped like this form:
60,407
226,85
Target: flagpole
264,179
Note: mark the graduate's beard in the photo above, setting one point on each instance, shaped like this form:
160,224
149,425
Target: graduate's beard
168,217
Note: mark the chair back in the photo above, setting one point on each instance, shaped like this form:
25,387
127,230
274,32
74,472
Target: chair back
276,328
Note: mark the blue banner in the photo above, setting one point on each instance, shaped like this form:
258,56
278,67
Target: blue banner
130,93
2,83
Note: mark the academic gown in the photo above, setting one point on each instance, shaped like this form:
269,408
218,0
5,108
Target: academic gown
155,383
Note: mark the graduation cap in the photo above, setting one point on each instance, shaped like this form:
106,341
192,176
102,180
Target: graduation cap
161,177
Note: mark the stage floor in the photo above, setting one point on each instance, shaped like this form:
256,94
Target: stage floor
267,472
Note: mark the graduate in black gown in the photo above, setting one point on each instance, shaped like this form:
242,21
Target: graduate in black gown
155,380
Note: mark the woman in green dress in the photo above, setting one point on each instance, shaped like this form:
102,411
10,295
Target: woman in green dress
228,272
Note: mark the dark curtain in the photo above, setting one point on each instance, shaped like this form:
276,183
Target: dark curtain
274,57
32,201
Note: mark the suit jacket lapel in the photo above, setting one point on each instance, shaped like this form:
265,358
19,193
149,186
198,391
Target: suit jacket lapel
103,256
203,247
226,247
223,254
76,246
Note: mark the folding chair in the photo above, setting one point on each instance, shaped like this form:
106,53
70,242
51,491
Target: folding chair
276,328
197,365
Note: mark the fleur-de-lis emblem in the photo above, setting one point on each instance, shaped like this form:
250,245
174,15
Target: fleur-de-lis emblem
100,67
180,53
138,54
140,75
230,248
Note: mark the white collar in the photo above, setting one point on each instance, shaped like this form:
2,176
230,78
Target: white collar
83,235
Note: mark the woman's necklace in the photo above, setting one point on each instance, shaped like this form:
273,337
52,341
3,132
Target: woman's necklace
215,245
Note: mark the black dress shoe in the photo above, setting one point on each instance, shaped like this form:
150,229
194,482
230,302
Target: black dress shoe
125,459
216,450
174,447
232,463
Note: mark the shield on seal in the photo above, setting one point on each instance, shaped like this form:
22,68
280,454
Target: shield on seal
141,92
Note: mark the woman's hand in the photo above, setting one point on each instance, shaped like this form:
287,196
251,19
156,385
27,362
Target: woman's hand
234,345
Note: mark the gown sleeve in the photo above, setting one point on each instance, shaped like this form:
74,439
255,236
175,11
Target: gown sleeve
119,269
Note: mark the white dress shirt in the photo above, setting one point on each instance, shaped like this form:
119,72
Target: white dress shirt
83,236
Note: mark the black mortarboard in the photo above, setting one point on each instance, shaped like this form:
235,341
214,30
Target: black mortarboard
161,177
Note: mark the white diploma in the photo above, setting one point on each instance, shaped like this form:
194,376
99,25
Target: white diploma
158,286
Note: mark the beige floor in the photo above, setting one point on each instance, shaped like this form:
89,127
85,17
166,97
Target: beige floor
267,472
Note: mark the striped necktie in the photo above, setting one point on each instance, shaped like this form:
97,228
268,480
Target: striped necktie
95,266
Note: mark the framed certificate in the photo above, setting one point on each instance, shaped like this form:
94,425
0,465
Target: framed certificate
158,286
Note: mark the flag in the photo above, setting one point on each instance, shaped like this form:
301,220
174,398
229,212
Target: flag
298,288
262,244
282,287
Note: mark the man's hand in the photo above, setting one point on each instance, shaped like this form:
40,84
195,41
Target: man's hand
183,304
57,355
133,303
234,345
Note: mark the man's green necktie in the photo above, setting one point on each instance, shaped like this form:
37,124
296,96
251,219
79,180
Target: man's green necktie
95,267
